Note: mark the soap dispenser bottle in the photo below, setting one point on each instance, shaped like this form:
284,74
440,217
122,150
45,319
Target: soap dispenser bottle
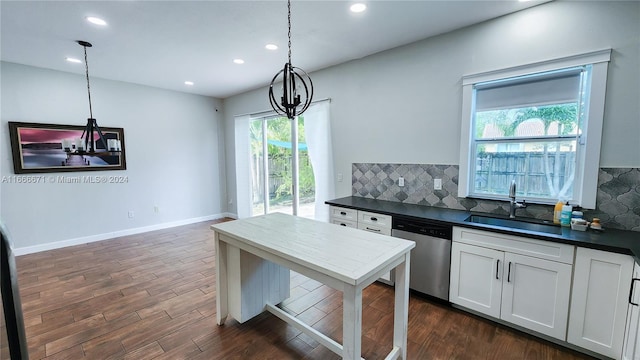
557,210
565,215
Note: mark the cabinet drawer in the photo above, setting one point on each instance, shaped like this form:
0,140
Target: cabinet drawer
347,223
374,228
344,214
379,220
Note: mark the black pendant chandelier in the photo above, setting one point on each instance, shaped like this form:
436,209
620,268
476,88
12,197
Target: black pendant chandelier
88,135
297,88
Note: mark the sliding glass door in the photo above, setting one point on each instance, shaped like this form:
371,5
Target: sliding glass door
282,178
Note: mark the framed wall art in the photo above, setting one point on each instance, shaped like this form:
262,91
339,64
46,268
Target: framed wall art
42,148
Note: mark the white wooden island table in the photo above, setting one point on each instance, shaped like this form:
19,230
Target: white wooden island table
254,255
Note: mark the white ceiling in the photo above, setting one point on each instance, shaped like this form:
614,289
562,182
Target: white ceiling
164,43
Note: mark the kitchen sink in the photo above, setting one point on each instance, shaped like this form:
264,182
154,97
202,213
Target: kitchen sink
539,226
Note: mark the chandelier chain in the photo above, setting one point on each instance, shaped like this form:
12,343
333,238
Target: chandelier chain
289,19
86,66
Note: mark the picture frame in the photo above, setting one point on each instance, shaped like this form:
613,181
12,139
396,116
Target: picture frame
38,148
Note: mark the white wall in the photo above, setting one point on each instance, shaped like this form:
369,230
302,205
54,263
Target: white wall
173,149
403,105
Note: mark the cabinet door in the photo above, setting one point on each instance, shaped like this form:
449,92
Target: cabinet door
631,348
476,278
599,301
535,294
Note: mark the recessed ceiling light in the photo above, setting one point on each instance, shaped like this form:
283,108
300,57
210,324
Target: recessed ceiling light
238,61
271,47
358,7
190,83
74,60
96,21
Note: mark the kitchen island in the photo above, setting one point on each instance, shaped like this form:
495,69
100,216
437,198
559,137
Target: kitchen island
252,255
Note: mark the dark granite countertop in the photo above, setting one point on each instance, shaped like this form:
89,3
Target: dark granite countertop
613,240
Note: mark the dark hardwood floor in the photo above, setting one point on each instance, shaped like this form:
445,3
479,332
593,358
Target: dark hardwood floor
152,296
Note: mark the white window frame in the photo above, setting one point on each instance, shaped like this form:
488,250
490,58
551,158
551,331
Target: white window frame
588,152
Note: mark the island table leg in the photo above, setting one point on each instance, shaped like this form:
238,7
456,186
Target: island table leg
222,307
352,323
401,308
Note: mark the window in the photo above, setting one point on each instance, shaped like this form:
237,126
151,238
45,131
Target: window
536,124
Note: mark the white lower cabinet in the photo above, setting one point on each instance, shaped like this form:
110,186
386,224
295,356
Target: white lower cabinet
631,346
476,278
599,301
527,291
536,294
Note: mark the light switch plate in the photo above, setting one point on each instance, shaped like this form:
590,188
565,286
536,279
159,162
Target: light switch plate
437,184
401,181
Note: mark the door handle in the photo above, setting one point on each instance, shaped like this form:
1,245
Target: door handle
374,219
633,281
497,267
509,273
343,213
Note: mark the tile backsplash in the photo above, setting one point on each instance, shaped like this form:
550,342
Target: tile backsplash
617,205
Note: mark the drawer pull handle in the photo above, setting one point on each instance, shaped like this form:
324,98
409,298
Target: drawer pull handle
497,267
370,229
631,292
509,273
343,224
343,213
374,219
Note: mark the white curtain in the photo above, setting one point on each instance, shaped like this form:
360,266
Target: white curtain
317,128
243,169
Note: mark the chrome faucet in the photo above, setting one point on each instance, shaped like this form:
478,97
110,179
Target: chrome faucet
513,203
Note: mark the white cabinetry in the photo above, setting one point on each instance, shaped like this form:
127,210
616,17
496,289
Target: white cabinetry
344,217
373,222
523,281
363,220
599,301
631,347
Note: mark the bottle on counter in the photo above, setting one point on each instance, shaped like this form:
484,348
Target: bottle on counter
557,210
565,215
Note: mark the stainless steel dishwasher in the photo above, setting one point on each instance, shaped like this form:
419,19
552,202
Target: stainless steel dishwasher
431,258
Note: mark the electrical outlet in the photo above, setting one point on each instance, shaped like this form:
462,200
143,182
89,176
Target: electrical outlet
339,177
131,214
437,184
156,209
400,181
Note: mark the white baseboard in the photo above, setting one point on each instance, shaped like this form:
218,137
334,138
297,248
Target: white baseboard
110,235
230,215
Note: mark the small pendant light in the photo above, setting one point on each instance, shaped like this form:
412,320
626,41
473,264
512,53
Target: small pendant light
297,88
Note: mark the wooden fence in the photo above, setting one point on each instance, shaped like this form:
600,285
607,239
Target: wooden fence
494,172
